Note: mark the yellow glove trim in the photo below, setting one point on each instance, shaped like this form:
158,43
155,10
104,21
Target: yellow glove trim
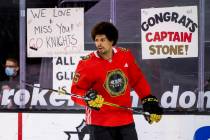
98,102
154,118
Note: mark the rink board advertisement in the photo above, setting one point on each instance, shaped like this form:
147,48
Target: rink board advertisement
169,32
46,99
71,126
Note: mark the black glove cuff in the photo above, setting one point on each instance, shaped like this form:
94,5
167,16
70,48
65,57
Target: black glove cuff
149,98
91,95
151,105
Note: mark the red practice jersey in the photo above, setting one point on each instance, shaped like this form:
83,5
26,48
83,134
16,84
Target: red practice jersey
113,80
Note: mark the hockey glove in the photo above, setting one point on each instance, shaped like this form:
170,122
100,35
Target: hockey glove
151,105
93,100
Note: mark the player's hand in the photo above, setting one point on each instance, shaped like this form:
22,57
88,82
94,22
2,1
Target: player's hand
94,100
151,105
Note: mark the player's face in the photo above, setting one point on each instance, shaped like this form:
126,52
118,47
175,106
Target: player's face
103,45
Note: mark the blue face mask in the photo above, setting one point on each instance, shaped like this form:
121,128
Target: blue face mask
9,71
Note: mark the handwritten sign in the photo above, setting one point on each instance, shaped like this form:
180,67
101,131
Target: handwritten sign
169,32
63,70
54,32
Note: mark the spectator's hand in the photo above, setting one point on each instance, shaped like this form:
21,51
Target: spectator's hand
94,100
10,104
151,105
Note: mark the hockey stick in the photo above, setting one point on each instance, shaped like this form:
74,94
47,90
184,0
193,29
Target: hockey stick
57,91
63,92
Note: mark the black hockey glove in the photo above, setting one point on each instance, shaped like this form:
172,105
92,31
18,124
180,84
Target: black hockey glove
93,100
151,105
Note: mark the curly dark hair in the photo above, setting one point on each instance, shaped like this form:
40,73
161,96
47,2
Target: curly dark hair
105,28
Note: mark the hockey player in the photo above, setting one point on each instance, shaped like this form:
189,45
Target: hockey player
108,74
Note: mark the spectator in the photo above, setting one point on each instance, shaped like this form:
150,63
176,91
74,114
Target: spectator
11,68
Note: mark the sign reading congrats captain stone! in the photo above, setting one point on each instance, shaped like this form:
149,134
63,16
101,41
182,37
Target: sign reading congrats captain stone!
55,31
169,32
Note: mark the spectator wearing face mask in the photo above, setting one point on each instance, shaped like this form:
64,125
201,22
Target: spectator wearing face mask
11,69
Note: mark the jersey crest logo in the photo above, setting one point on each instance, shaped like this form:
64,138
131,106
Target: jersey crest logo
116,82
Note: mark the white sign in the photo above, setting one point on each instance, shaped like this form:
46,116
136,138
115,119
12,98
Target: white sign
169,32
53,32
63,70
